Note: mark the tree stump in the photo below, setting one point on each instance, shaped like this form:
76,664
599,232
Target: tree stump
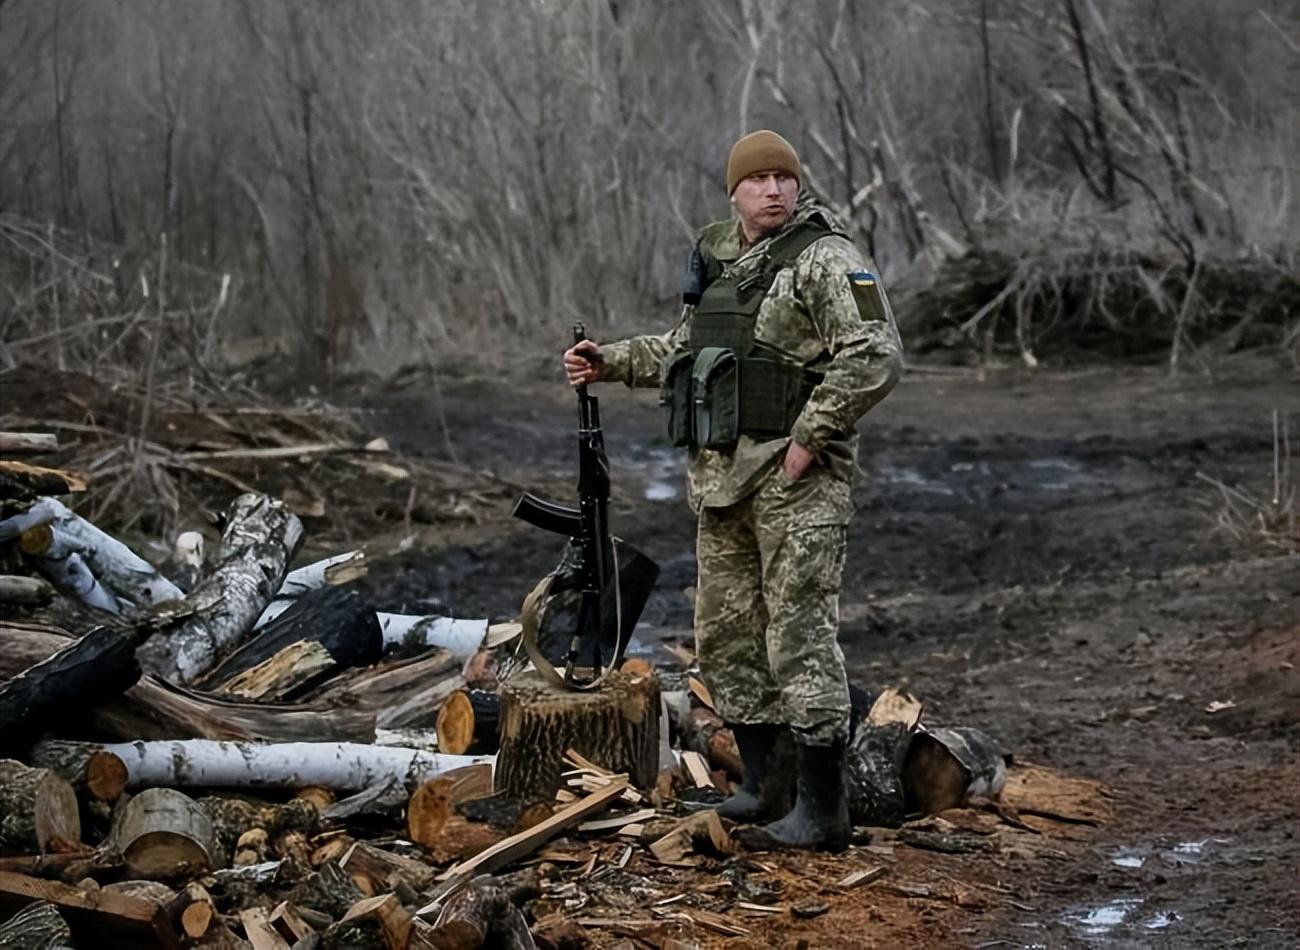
615,726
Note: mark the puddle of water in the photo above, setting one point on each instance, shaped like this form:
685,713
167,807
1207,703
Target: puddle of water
1096,921
910,476
661,491
1160,921
1127,861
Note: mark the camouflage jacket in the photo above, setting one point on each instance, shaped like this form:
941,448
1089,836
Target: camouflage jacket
809,316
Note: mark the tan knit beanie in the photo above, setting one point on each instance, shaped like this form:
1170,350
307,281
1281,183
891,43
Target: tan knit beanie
761,151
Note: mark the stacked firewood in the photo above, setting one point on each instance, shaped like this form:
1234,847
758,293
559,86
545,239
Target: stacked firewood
230,753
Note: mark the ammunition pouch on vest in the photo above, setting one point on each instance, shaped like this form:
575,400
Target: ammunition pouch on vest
725,385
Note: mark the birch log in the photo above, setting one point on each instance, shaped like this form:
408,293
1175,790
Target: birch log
459,637
334,765
28,442
91,770
127,575
338,569
261,537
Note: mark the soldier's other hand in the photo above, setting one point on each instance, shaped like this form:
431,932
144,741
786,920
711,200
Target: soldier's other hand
584,363
797,460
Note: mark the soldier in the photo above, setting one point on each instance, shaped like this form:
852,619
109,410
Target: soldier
790,340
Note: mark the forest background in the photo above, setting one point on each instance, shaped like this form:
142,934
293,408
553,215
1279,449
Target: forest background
366,185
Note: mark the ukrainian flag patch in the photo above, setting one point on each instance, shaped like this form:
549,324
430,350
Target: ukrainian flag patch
862,278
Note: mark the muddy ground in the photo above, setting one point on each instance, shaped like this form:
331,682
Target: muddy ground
1034,555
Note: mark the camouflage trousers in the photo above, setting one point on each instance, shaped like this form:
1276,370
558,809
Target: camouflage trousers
767,605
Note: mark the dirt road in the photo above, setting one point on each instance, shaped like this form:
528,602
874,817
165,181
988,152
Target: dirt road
1036,556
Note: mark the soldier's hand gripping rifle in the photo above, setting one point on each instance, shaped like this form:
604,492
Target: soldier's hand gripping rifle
612,579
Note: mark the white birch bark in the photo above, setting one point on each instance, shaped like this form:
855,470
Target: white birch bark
310,577
127,575
261,537
197,763
459,637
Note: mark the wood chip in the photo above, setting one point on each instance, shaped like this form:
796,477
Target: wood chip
864,876
610,824
698,769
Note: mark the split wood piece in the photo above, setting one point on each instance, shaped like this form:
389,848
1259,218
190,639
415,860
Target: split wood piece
698,769
336,765
28,442
470,719
23,483
896,705
332,571
155,709
258,929
192,912
98,667
405,694
164,835
481,915
154,891
341,621
619,823
37,926
287,921
100,919
128,576
386,799
93,771
22,591
701,832
376,871
38,810
459,637
329,890
25,644
385,910
289,671
862,877
702,730
434,823
1035,793
617,726
525,842
261,536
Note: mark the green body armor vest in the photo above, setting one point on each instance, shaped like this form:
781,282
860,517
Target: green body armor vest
726,384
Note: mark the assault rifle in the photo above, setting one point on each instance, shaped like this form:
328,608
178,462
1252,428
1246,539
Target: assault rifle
612,579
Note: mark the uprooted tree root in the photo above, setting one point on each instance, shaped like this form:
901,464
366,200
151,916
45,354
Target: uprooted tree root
1103,301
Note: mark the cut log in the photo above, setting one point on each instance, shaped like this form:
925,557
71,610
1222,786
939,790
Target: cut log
341,621
100,919
944,768
375,870
154,709
14,442
99,666
128,576
37,926
20,482
95,772
74,577
38,810
192,912
260,538
25,644
336,765
339,569
406,633
615,726
22,591
164,835
290,671
478,916
455,723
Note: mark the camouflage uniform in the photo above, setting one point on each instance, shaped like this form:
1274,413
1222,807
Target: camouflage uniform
771,551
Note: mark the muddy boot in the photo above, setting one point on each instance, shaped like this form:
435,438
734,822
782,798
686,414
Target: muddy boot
820,817
752,800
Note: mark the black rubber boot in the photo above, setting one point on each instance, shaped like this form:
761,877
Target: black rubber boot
820,817
752,800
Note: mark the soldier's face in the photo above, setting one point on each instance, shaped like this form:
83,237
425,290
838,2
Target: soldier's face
764,202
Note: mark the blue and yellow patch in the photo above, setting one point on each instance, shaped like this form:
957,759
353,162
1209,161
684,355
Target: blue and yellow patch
862,278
